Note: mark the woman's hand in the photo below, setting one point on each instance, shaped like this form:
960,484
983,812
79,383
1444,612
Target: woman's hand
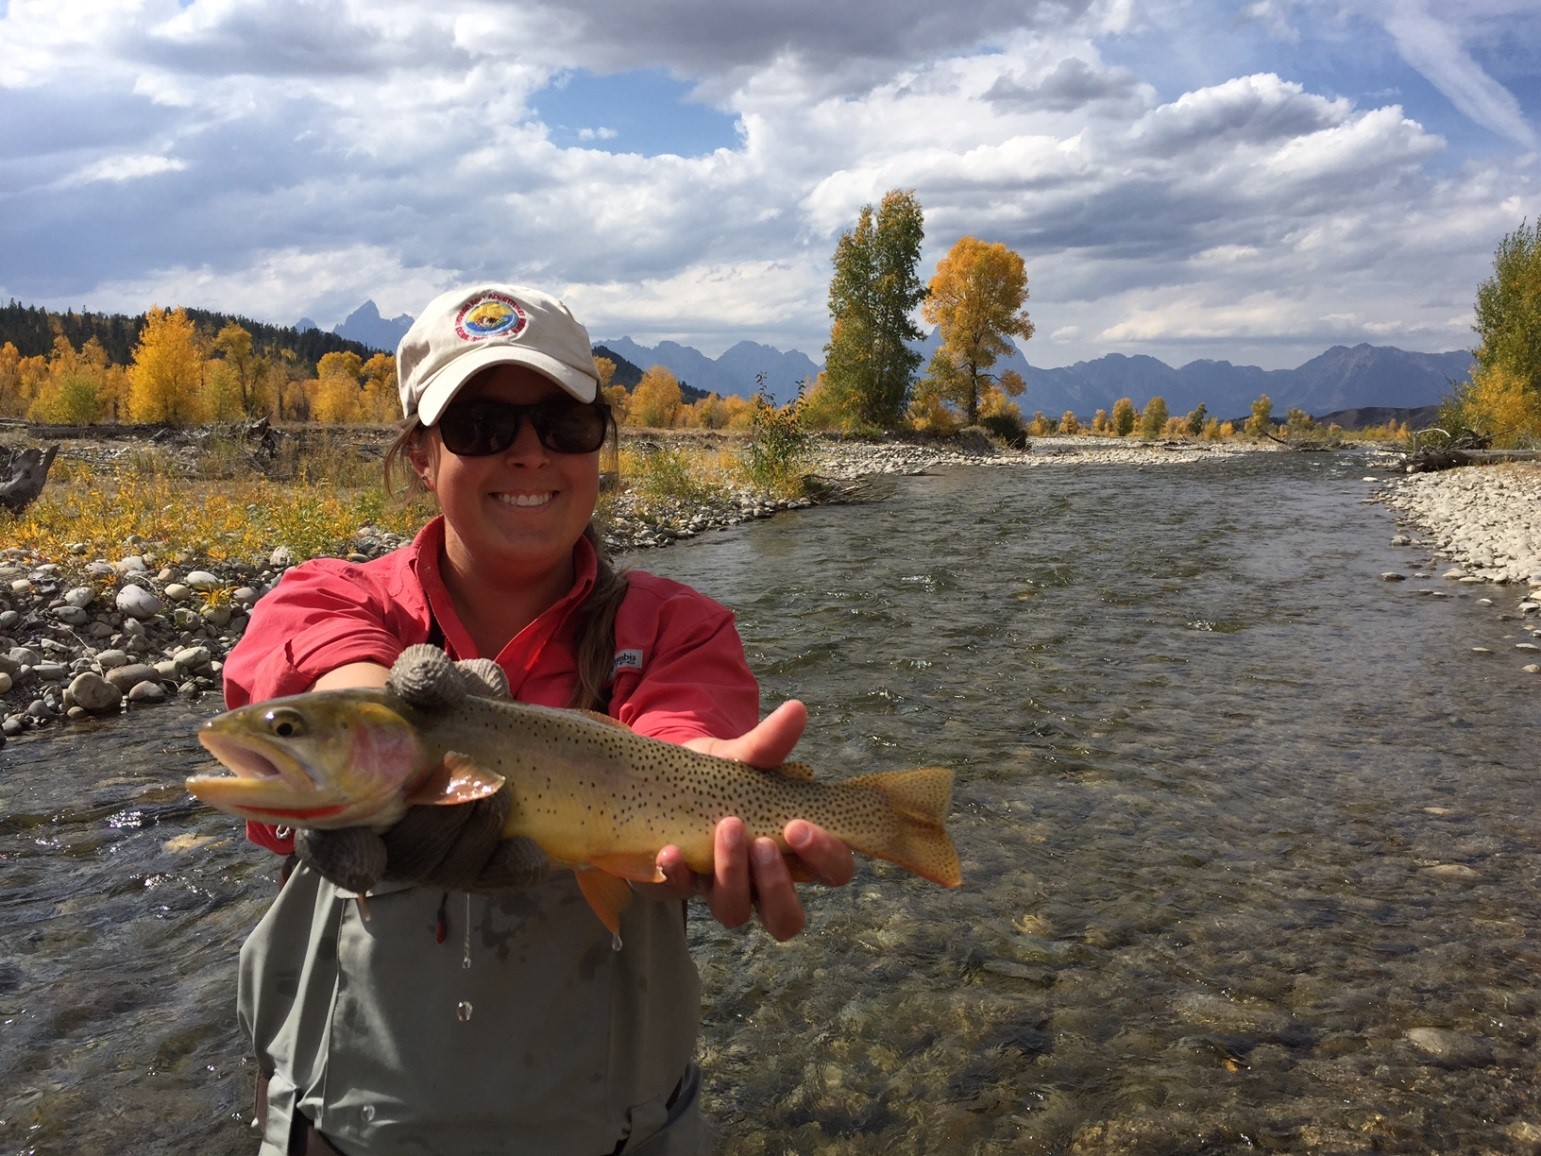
749,875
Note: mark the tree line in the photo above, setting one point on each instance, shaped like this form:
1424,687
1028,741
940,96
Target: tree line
179,371
185,366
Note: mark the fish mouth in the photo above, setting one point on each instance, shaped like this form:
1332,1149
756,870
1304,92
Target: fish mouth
247,760
265,784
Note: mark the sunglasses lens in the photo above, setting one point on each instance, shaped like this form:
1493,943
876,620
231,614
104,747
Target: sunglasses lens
569,429
479,428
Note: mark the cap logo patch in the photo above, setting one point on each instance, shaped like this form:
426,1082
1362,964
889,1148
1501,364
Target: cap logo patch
490,315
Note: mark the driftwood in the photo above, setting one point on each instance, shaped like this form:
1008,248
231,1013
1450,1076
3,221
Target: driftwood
1306,445
23,475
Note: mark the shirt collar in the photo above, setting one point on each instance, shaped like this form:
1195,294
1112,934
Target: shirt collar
429,549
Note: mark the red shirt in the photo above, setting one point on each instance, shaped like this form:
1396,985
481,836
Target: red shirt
680,671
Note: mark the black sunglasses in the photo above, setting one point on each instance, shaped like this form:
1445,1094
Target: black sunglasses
474,429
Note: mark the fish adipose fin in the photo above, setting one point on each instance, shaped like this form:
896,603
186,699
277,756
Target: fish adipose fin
607,894
457,780
920,799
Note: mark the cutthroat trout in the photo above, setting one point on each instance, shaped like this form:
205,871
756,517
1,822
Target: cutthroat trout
595,796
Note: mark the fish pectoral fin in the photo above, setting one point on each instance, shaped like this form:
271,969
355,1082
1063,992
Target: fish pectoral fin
800,771
456,780
629,865
607,894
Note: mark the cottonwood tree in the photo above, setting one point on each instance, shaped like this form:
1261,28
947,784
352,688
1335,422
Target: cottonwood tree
165,382
1123,417
1261,420
1153,418
1504,395
656,401
868,365
975,301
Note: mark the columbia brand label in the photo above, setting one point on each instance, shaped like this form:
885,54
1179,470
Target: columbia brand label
490,315
626,660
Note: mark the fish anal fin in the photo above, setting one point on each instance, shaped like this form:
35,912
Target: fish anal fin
456,780
607,894
800,771
629,865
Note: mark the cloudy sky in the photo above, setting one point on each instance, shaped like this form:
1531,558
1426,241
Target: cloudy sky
1252,181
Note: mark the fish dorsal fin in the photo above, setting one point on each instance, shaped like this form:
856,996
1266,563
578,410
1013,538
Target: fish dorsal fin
456,780
607,894
800,771
607,719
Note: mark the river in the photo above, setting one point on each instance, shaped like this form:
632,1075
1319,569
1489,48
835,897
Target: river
1249,838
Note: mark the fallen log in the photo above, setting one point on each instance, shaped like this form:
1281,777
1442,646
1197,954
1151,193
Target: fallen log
23,475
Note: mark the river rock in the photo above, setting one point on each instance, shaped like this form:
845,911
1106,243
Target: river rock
81,596
147,692
1450,1049
137,602
191,658
203,581
110,659
125,678
70,615
6,682
177,592
93,693
133,564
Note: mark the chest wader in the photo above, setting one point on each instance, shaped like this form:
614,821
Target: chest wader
550,1042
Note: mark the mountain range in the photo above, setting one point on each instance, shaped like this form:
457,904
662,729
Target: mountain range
1341,378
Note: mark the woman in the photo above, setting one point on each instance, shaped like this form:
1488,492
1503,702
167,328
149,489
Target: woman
504,1021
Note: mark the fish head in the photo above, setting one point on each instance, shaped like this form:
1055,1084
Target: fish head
323,760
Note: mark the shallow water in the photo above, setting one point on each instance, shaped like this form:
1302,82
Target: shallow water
1236,817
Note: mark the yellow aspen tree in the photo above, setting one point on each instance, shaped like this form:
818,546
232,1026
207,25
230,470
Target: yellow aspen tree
975,301
656,401
1069,423
738,412
1153,418
166,379
1123,417
620,403
338,390
381,403
10,381
604,369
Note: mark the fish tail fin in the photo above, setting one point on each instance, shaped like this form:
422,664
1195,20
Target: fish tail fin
921,800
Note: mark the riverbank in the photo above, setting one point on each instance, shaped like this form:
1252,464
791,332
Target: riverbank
1486,519
92,636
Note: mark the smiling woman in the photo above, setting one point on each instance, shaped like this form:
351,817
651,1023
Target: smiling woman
646,111
364,1031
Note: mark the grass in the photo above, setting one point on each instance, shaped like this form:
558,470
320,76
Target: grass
210,502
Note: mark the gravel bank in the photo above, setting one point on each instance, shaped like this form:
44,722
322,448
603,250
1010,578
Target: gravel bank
82,636
1486,518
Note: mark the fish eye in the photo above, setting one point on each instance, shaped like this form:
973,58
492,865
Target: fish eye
285,723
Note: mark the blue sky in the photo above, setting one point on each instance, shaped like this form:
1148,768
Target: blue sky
1251,181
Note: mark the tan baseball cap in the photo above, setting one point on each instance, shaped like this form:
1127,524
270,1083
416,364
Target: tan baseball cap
467,330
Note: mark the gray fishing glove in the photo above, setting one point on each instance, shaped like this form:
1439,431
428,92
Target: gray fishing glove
456,848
